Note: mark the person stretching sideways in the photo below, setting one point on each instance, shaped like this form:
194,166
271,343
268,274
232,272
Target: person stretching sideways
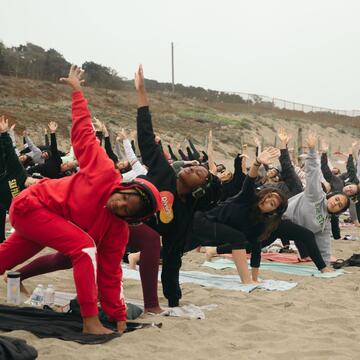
83,216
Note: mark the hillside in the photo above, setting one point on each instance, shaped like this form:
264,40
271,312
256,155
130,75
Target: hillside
32,104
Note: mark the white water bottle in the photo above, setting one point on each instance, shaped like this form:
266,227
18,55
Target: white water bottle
13,288
49,295
37,297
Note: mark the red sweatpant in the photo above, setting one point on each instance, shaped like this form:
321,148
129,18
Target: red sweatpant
142,238
35,228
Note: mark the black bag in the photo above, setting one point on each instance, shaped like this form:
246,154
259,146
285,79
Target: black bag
16,349
353,260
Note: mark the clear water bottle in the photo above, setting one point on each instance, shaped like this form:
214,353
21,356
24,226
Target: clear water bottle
37,297
49,295
13,288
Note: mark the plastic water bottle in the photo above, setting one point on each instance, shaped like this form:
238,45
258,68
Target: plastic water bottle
37,297
13,288
49,295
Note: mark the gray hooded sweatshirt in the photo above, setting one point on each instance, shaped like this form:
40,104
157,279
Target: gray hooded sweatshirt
35,152
309,208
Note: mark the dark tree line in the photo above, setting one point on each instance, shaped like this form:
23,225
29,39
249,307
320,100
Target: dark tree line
34,62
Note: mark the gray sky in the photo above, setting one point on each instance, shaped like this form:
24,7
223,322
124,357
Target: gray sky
301,50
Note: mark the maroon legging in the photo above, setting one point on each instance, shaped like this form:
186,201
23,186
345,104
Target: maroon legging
142,238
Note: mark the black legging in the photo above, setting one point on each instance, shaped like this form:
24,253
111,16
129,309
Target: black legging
208,233
304,240
226,238
335,228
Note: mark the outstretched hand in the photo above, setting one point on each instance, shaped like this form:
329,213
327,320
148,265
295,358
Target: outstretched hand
324,146
97,124
257,141
104,130
121,135
52,126
157,139
133,134
139,80
283,136
268,155
4,124
74,78
311,140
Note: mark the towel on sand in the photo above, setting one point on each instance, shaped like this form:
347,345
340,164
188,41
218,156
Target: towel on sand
303,270
50,324
189,311
225,282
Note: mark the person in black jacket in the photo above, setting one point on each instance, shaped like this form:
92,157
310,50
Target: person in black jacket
287,179
180,194
13,177
234,185
52,166
244,219
334,184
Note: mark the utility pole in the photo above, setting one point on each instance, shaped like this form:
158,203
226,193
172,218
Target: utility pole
172,67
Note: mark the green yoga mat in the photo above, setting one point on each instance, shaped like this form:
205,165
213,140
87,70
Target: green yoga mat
293,269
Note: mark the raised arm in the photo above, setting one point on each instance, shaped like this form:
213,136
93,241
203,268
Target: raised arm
325,169
195,153
313,190
108,147
248,190
13,138
137,167
10,166
190,155
211,160
90,155
350,167
239,173
53,143
288,173
173,156
46,138
151,154
182,155
33,148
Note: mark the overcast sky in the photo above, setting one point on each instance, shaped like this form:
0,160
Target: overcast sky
302,50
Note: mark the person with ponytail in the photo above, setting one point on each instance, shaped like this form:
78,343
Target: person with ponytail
313,208
243,221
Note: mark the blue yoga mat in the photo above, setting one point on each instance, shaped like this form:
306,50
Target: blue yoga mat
225,282
293,269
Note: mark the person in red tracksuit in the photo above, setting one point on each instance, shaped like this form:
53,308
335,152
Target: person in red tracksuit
83,216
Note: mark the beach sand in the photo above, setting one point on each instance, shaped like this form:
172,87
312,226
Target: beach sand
318,319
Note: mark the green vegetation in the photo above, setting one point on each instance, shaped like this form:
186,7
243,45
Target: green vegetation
209,115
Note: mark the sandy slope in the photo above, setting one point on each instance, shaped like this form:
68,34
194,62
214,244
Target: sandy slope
316,320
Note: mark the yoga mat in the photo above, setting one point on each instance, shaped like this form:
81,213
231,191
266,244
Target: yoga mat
302,270
50,324
225,282
278,257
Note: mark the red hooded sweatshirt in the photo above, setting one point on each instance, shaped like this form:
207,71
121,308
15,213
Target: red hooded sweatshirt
82,199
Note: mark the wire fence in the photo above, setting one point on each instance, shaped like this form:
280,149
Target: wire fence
266,102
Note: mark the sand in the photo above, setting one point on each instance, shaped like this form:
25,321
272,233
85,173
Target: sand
319,319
